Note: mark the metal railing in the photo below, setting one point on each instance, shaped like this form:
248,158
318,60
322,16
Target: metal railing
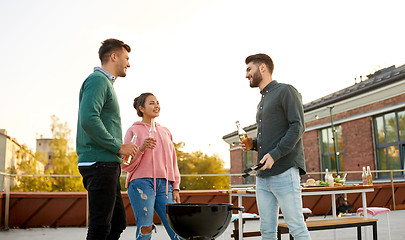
7,183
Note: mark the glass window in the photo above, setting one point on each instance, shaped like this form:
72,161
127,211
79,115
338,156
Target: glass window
393,157
326,163
401,125
330,140
339,138
382,156
248,161
328,155
324,140
389,131
391,127
379,125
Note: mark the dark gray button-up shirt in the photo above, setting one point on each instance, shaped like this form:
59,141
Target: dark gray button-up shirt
280,126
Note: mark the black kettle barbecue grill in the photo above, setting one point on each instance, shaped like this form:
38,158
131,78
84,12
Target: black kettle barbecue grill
199,221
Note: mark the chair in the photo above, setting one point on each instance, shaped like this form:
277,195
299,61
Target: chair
375,211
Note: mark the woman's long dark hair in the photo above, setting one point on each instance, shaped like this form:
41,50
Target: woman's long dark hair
140,101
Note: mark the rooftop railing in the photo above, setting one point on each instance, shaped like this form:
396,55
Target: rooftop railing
394,176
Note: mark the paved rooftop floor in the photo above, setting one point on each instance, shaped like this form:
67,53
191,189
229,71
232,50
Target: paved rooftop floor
396,219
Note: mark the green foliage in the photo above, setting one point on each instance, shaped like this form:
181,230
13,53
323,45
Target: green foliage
64,159
200,163
30,164
62,162
123,180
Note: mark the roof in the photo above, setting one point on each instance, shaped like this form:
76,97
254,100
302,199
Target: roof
376,80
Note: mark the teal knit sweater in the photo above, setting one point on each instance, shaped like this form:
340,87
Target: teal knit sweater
99,134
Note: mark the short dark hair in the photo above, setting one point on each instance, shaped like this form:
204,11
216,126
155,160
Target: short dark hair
261,58
109,46
140,101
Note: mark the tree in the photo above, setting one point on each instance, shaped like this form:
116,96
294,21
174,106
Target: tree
63,159
30,164
200,163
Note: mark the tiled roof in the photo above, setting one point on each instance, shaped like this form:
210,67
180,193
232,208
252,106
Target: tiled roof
376,80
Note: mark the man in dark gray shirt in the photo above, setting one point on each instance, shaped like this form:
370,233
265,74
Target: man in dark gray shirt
280,126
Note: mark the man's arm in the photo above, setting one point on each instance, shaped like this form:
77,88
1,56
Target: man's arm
293,110
92,101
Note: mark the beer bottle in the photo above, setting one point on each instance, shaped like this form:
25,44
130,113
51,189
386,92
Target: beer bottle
369,177
128,158
243,137
364,176
329,178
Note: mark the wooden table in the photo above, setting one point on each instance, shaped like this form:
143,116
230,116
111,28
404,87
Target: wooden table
333,191
315,225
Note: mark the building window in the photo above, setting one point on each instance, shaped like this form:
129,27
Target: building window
328,156
389,131
248,161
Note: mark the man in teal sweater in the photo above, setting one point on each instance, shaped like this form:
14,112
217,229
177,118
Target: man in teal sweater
280,126
99,142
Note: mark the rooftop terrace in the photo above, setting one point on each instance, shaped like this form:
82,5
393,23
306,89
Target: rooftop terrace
396,221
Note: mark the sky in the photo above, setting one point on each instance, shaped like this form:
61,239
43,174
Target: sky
189,54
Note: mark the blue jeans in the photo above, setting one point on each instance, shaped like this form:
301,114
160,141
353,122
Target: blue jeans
144,201
282,191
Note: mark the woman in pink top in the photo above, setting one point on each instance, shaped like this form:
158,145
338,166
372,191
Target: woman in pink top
153,175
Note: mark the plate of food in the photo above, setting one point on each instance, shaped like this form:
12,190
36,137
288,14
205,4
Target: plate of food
337,181
312,183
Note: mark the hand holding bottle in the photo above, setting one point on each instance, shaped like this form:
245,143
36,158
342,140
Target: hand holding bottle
148,143
128,158
245,142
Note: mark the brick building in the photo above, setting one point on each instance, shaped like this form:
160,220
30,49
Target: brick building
369,122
